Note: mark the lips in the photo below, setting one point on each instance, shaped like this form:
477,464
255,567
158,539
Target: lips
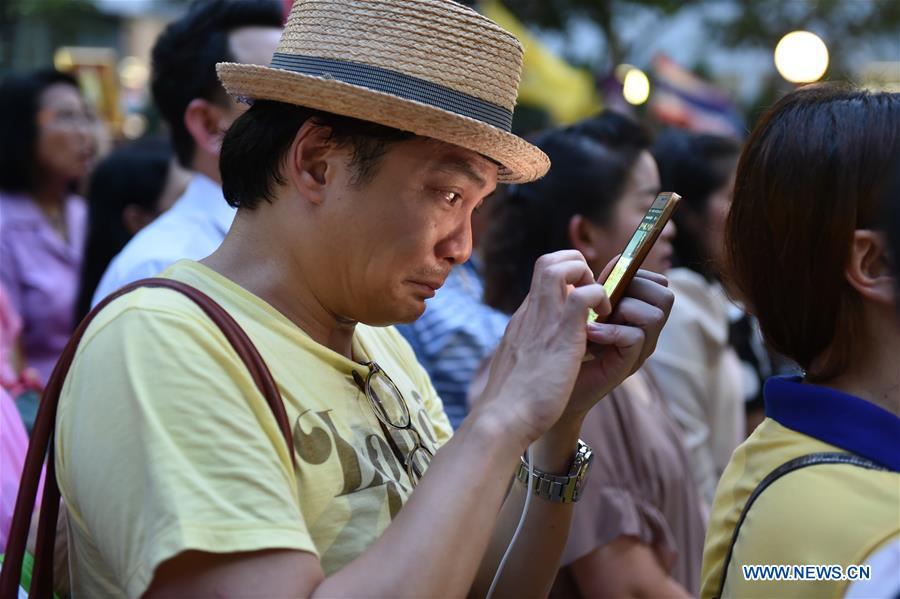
662,256
428,288
433,285
665,250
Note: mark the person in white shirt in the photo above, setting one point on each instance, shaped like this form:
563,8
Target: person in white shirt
198,112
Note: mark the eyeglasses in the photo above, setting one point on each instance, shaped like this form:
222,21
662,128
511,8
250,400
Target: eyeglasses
65,118
391,410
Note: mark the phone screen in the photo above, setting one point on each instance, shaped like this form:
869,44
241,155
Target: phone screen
644,230
639,246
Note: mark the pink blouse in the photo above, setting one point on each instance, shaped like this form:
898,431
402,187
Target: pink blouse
40,271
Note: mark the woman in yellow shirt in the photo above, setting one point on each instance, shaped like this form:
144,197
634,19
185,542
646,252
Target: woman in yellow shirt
815,491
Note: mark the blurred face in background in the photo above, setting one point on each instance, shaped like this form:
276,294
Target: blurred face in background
136,217
712,229
637,196
248,45
65,142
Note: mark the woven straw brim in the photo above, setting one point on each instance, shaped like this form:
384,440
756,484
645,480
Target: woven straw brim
520,161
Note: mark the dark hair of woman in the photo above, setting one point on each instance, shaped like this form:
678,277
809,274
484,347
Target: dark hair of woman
130,176
697,165
591,162
20,101
892,214
812,172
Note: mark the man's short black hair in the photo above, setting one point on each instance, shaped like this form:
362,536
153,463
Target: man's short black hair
185,57
20,101
254,148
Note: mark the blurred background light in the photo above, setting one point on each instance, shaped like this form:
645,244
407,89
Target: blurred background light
801,57
62,60
134,125
635,86
133,73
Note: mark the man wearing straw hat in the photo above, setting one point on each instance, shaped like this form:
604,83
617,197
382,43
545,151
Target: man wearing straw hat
378,129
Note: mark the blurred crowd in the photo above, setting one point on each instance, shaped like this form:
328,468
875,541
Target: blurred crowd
779,257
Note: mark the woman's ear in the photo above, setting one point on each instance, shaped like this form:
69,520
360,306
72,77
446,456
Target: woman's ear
583,237
868,268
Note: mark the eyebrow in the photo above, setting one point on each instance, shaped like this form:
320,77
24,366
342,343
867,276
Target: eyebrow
463,167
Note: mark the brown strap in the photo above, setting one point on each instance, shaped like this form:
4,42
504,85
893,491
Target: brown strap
41,443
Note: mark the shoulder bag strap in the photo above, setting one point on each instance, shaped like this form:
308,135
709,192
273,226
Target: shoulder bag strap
812,459
41,444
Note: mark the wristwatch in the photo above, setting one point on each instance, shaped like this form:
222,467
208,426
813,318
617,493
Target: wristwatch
560,489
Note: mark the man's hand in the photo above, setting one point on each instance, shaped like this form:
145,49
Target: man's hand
619,346
535,367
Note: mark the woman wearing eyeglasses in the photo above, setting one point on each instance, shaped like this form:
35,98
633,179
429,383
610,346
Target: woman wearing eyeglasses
639,529
47,148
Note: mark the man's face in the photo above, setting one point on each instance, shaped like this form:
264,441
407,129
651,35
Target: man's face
389,243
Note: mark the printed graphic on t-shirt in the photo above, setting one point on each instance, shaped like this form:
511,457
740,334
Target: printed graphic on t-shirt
373,483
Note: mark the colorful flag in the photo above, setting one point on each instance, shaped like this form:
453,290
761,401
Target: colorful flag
683,99
548,82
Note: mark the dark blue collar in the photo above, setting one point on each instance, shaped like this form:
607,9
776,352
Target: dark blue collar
836,418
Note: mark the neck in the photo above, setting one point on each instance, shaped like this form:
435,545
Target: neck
51,194
207,164
252,257
874,375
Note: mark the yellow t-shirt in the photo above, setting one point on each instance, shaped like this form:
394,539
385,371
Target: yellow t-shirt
164,444
828,514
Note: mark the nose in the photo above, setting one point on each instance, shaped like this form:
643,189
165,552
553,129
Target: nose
88,141
457,245
668,232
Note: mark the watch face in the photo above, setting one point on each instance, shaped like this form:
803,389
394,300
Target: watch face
560,489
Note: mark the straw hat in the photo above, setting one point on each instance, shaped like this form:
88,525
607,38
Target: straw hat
432,67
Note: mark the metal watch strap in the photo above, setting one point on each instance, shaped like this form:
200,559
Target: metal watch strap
560,489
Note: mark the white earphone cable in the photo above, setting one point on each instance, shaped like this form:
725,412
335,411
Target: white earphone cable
528,493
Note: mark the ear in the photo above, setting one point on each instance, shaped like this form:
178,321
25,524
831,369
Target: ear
868,270
203,120
135,218
583,236
313,162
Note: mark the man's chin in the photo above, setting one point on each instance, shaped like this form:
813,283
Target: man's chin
415,311
405,313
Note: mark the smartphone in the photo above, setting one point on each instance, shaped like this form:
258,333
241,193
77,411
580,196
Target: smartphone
638,247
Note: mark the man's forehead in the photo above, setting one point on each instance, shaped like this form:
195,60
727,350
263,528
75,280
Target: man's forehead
456,160
60,94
